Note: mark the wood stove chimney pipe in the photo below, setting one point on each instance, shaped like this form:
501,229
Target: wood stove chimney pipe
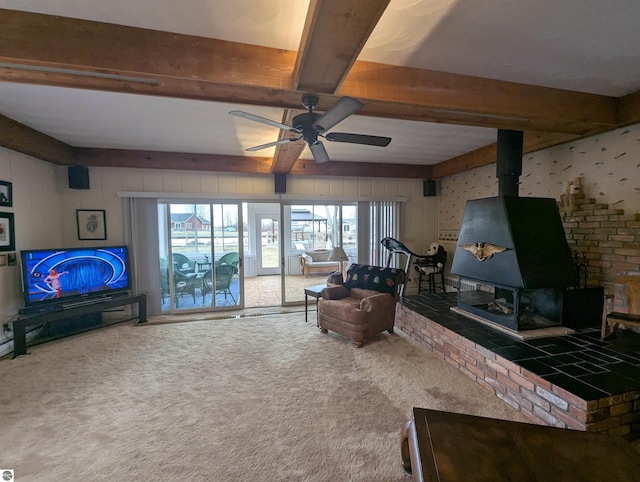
509,161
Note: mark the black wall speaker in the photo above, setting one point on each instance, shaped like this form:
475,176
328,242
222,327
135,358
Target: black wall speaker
78,177
429,188
281,183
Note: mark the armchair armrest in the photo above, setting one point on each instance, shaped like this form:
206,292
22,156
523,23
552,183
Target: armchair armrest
335,293
377,302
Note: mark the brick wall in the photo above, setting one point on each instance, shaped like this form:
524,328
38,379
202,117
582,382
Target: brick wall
609,238
541,401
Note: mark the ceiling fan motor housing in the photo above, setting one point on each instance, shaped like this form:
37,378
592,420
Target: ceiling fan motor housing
304,124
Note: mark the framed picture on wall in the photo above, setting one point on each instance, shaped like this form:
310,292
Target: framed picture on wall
7,234
92,224
6,194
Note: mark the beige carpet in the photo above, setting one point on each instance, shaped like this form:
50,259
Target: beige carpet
256,398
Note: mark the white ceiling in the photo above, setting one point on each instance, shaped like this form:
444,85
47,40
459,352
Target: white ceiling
583,45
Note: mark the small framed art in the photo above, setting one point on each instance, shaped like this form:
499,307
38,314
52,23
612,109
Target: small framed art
7,234
6,194
92,224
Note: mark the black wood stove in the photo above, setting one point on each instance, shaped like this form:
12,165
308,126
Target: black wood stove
515,248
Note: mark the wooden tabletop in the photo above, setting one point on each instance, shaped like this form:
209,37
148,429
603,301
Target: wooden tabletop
455,447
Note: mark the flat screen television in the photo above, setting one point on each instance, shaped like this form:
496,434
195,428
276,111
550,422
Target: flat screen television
53,277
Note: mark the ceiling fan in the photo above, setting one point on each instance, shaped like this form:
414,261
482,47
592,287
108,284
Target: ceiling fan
310,126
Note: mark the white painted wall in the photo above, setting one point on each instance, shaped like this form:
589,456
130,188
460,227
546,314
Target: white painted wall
38,189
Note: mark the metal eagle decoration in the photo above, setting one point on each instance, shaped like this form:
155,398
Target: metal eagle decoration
483,251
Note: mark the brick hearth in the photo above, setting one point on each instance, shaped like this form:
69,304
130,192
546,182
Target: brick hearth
574,381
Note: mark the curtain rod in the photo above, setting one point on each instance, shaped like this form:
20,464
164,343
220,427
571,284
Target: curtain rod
255,197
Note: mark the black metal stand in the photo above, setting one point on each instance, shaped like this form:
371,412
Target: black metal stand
24,321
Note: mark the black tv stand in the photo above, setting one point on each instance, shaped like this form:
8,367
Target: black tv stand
24,321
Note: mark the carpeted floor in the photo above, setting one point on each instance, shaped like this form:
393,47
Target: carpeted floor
248,398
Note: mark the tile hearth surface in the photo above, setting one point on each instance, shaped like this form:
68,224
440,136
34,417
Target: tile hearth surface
579,362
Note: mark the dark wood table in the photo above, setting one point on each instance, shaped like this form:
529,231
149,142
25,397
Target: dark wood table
316,292
444,446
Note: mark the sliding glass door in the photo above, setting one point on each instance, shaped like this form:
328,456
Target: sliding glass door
200,256
207,249
311,232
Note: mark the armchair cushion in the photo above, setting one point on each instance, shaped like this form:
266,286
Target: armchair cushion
377,302
361,294
335,293
344,309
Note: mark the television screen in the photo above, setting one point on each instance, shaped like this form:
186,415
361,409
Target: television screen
57,275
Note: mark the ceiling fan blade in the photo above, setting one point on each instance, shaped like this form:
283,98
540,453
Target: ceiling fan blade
274,143
358,139
263,120
337,113
319,152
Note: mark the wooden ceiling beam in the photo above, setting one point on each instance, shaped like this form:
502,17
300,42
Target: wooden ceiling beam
533,141
172,65
629,108
396,91
182,161
286,155
21,138
309,167
104,49
333,36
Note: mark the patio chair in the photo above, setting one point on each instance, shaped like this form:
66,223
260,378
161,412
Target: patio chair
223,278
232,258
183,283
183,264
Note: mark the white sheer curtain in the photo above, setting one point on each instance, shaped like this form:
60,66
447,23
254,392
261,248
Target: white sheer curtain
378,219
142,238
